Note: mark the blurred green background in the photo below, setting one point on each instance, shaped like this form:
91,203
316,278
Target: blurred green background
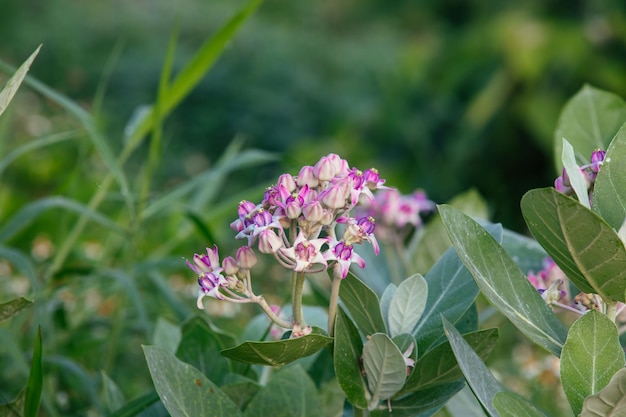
442,95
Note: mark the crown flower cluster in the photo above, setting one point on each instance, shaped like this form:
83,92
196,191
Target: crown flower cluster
306,222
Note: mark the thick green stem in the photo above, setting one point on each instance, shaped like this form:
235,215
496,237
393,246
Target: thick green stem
268,310
297,283
334,299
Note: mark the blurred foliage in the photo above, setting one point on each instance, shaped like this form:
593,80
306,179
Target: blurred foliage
443,95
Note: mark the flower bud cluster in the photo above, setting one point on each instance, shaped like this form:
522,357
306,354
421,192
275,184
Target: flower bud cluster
589,172
297,222
396,215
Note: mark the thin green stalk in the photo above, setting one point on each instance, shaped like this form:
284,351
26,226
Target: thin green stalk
334,299
297,280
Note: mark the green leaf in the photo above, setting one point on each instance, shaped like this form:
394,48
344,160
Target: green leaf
591,356
242,392
12,307
585,247
28,213
136,406
610,401
510,404
34,386
385,301
280,352
384,366
477,375
577,178
289,393
464,404
347,354
452,291
10,88
200,348
363,305
525,251
113,396
589,121
427,400
166,335
502,282
14,408
407,305
428,247
439,365
609,193
184,390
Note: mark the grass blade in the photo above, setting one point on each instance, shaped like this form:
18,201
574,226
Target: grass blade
9,90
34,386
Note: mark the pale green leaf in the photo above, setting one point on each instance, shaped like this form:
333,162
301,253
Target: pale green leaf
479,378
422,403
348,348
609,195
407,305
385,368
586,248
576,178
502,282
8,91
589,121
591,356
113,396
610,401
185,391
166,335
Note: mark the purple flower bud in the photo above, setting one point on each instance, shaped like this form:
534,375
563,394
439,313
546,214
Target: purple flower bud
307,177
229,265
313,211
367,224
293,210
324,169
245,208
246,258
341,165
334,197
269,242
597,158
263,218
287,181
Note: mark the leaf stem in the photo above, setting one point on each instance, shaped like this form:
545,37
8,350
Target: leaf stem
270,313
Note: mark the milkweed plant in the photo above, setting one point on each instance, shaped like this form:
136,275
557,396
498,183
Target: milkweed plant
392,326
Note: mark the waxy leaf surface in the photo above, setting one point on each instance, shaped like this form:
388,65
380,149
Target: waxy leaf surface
427,401
591,356
363,305
347,355
502,282
589,121
385,368
407,305
477,375
185,391
610,401
609,195
280,352
586,248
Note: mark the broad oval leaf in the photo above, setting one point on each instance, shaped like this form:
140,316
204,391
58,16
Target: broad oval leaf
589,121
347,354
610,401
591,356
585,247
407,305
280,352
362,304
385,301
502,282
200,347
477,375
510,404
384,366
609,192
185,391
290,392
439,365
